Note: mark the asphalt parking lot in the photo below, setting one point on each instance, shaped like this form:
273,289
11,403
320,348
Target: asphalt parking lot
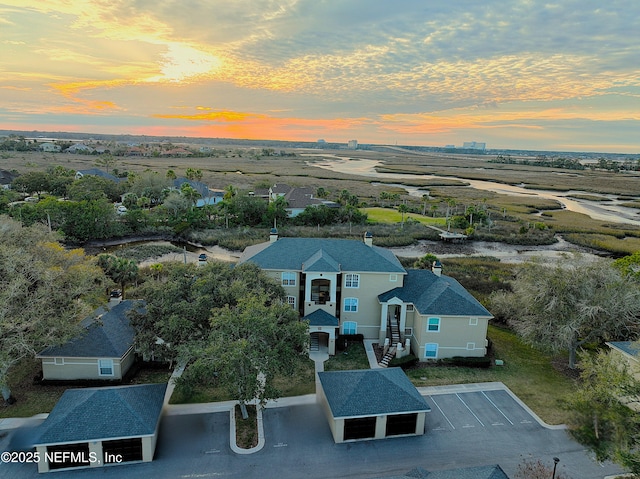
464,428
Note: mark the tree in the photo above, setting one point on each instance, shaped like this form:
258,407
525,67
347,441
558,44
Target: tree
629,265
44,291
530,469
403,210
575,302
107,162
171,175
249,345
229,192
601,418
32,182
426,262
321,192
121,270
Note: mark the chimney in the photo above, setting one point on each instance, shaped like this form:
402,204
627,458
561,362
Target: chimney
273,235
436,268
368,239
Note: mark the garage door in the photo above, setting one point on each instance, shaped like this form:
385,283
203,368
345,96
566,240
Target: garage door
122,450
400,424
360,428
68,455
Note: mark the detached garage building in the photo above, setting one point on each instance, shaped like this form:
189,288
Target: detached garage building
97,426
371,404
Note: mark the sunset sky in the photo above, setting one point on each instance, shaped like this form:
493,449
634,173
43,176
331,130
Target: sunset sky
519,74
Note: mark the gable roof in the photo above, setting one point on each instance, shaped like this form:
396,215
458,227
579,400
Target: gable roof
321,318
433,294
107,335
98,172
6,177
370,392
479,472
296,254
301,198
103,413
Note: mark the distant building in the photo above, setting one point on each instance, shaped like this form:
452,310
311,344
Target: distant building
352,145
473,145
322,141
49,147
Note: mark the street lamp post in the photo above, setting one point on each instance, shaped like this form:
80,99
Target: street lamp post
555,464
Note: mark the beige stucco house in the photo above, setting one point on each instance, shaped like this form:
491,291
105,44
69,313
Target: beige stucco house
354,287
628,352
104,350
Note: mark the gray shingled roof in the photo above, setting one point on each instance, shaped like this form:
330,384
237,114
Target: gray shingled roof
432,294
290,254
100,173
321,318
370,392
630,347
480,472
107,336
103,413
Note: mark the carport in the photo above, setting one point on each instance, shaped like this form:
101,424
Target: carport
93,427
371,404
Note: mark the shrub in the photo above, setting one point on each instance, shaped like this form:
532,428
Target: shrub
405,362
473,362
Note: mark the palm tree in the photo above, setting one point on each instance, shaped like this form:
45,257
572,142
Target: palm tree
403,209
121,270
229,192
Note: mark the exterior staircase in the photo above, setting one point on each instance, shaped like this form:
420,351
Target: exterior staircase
388,356
314,344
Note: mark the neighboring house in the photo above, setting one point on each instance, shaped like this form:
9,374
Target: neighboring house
371,404
297,198
363,289
97,172
94,427
104,350
79,148
6,177
207,195
49,147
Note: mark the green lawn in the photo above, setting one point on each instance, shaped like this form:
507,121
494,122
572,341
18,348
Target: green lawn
354,357
526,371
388,215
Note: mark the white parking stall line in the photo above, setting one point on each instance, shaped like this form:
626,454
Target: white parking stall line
441,412
495,406
465,405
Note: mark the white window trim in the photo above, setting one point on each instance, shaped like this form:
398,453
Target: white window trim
408,332
288,278
410,308
425,351
350,323
471,346
349,280
473,321
58,361
433,330
292,301
353,302
100,367
393,278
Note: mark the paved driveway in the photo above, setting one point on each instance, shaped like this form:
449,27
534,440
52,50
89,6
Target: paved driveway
464,428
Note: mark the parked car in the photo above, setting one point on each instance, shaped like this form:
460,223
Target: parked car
115,293
202,257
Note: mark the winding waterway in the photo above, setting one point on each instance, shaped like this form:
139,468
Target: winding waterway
610,211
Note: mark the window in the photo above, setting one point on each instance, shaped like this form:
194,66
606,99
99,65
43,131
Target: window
431,350
349,327
351,280
58,361
473,321
471,346
291,301
105,367
433,325
288,279
351,305
393,278
409,308
408,332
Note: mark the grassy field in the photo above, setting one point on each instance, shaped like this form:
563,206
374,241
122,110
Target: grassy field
388,215
354,357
